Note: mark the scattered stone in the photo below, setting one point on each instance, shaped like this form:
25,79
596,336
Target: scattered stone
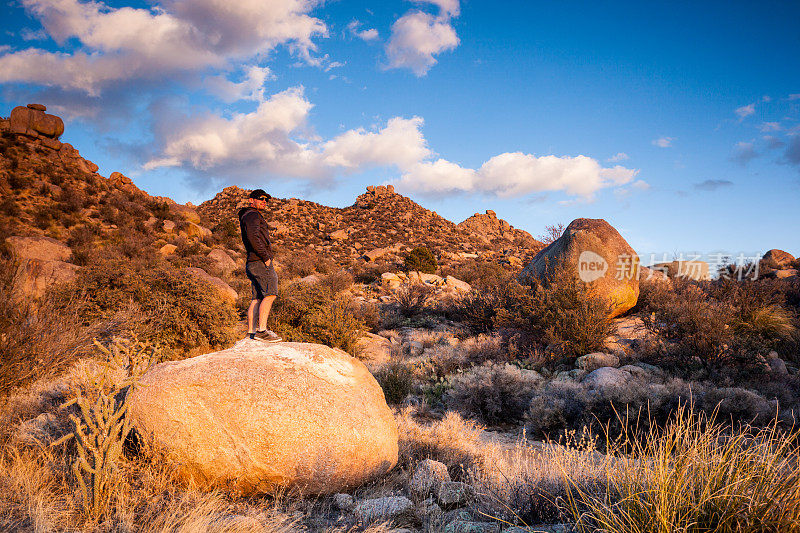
343,501
167,249
427,477
380,509
373,350
606,378
197,231
338,235
778,366
391,281
169,226
264,417
372,255
598,255
596,360
33,121
457,284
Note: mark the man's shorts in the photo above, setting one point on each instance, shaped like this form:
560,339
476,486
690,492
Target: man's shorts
263,278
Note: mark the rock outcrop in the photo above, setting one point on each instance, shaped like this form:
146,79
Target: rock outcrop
597,254
42,262
260,418
778,258
488,226
33,122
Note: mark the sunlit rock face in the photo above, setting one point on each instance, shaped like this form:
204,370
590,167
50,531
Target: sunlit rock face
595,252
260,417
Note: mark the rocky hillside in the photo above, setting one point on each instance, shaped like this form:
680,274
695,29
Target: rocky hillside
49,190
380,225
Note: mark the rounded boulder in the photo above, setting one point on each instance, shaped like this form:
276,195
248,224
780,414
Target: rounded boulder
598,255
261,418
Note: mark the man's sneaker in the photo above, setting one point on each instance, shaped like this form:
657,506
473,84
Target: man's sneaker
268,336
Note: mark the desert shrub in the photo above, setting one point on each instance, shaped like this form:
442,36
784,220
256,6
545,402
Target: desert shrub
9,207
558,406
493,393
696,475
725,322
311,312
298,264
451,440
38,340
421,259
179,311
396,379
412,298
369,313
551,233
370,273
562,314
482,275
338,281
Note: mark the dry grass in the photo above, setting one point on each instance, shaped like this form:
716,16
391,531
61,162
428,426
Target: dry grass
695,475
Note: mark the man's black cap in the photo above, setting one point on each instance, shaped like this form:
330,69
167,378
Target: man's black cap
260,193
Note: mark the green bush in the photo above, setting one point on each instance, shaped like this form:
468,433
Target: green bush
420,259
397,380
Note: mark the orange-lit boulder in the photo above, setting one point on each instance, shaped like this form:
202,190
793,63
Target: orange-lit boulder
598,255
33,121
261,417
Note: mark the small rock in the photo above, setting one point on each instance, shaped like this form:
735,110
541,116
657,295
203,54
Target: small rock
167,249
778,366
387,508
343,501
427,477
169,226
606,377
453,493
596,360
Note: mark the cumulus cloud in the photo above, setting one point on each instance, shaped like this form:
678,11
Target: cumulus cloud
417,37
620,156
663,142
370,34
713,185
270,141
250,88
745,111
516,174
744,152
180,36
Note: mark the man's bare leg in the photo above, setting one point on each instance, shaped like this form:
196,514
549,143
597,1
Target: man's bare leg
251,316
263,312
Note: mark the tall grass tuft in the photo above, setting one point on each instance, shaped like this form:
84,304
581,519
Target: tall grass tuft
695,474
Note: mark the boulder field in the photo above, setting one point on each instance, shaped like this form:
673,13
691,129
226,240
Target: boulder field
260,418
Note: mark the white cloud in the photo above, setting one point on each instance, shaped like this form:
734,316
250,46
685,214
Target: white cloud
181,36
641,185
270,142
517,174
447,8
620,156
250,88
745,111
416,38
663,142
368,35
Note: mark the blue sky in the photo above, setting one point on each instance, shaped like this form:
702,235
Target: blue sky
677,122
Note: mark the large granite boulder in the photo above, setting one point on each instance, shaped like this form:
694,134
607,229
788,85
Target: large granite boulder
42,262
599,256
262,417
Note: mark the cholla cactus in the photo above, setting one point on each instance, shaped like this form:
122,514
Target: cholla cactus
102,427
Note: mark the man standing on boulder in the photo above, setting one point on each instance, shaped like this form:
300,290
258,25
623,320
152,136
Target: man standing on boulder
255,236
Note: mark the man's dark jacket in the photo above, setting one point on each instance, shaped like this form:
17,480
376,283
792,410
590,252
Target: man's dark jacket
255,235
